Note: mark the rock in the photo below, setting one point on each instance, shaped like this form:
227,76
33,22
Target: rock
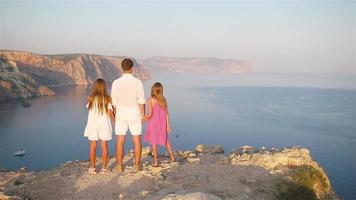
285,161
192,196
293,156
245,149
160,176
6,197
209,149
188,154
45,91
144,193
23,169
146,151
192,155
122,195
193,160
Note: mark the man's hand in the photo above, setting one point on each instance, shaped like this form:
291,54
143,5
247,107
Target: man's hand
143,118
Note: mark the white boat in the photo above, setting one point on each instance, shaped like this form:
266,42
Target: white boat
20,152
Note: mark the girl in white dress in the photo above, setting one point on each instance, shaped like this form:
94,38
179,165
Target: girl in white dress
99,126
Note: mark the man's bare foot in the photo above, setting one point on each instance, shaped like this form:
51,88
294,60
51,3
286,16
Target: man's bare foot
119,168
137,168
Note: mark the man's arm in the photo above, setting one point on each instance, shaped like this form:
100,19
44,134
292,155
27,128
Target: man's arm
142,109
113,97
150,112
141,98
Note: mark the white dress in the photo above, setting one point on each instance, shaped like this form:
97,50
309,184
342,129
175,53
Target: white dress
99,125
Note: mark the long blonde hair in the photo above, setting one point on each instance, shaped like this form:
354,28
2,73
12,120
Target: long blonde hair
99,93
157,93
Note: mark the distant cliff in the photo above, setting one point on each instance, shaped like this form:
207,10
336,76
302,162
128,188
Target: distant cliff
200,65
58,70
16,84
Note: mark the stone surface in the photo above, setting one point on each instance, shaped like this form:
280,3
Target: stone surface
215,176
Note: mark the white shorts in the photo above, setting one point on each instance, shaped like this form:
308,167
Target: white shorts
122,126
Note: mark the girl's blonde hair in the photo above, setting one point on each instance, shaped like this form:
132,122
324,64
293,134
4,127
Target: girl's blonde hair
157,93
102,98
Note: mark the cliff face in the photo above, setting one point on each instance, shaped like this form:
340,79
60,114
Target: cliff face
68,69
16,84
296,163
207,65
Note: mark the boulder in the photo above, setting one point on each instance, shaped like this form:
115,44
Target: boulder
209,149
146,151
195,160
294,162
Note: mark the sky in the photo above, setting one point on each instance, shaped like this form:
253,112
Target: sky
275,36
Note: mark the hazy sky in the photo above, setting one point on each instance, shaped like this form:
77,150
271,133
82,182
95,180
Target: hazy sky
276,36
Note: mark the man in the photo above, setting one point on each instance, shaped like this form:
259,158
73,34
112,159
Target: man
128,100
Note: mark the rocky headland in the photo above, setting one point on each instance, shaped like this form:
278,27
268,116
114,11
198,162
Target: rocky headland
206,173
26,74
198,65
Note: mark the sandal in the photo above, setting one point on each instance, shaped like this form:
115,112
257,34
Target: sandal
91,170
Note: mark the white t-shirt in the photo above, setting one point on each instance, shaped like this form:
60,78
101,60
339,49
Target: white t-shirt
126,94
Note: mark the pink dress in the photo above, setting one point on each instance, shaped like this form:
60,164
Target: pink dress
156,130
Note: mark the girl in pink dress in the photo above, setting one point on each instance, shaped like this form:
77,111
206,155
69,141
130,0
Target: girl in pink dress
158,125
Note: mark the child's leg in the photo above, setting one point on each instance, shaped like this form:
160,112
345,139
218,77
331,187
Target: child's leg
155,154
104,153
169,149
92,155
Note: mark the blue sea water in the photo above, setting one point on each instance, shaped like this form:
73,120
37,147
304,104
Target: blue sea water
273,110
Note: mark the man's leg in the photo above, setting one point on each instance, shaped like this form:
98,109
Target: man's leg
120,130
138,150
120,142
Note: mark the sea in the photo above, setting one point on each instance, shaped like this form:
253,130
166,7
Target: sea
315,111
